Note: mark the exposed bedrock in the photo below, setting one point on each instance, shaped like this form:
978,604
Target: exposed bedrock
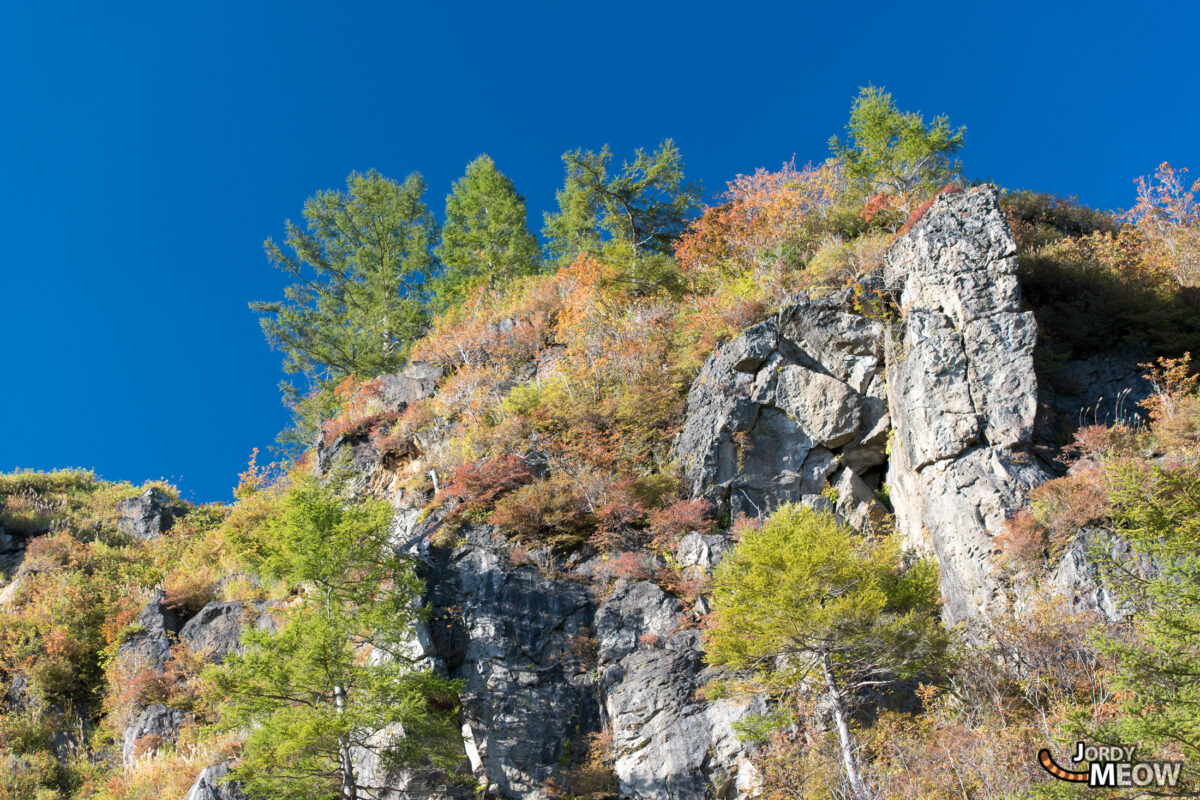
962,392
793,410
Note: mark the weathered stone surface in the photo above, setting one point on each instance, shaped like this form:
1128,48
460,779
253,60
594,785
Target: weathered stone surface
216,630
355,449
698,553
667,744
522,643
1077,576
155,726
17,695
1098,390
830,410
149,515
415,382
151,645
213,784
12,550
776,414
962,392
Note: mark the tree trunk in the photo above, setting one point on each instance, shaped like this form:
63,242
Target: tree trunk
845,739
349,782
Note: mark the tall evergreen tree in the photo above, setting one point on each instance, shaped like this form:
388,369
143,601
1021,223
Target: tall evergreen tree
894,152
316,695
485,237
1157,655
360,266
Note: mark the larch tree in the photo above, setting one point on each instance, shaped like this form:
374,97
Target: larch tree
360,266
631,217
1157,655
804,604
895,153
485,236
338,679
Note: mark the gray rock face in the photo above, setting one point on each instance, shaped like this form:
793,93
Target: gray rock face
216,630
212,784
1100,390
962,392
12,551
155,726
792,407
147,516
522,643
150,646
667,743
1077,576
395,393
415,382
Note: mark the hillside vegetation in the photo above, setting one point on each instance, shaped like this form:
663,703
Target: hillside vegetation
563,365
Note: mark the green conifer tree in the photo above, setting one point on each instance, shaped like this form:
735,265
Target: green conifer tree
316,694
1157,653
895,152
803,602
360,266
632,217
485,237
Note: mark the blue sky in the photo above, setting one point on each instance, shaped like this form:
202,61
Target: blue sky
148,149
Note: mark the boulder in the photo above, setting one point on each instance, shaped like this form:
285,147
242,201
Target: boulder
213,784
149,515
216,630
151,645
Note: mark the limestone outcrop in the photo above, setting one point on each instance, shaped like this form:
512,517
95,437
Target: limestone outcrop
962,392
793,410
149,515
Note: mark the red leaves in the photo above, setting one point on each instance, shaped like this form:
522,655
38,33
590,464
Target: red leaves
477,485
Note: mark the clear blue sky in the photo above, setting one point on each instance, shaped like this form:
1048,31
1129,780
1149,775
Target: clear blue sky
149,148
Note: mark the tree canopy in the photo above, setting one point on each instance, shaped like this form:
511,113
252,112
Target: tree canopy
485,235
360,266
643,208
804,599
338,679
894,152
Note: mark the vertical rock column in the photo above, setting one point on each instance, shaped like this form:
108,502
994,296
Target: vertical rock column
962,392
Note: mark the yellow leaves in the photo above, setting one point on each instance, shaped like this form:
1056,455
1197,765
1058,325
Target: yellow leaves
1167,214
770,223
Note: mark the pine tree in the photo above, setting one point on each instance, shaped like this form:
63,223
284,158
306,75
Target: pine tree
485,237
804,602
316,694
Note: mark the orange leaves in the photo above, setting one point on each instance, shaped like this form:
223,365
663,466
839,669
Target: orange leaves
1167,213
770,221
1172,380
491,327
478,484
1165,200
361,408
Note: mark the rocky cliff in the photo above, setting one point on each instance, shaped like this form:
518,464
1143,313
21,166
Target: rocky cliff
913,392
